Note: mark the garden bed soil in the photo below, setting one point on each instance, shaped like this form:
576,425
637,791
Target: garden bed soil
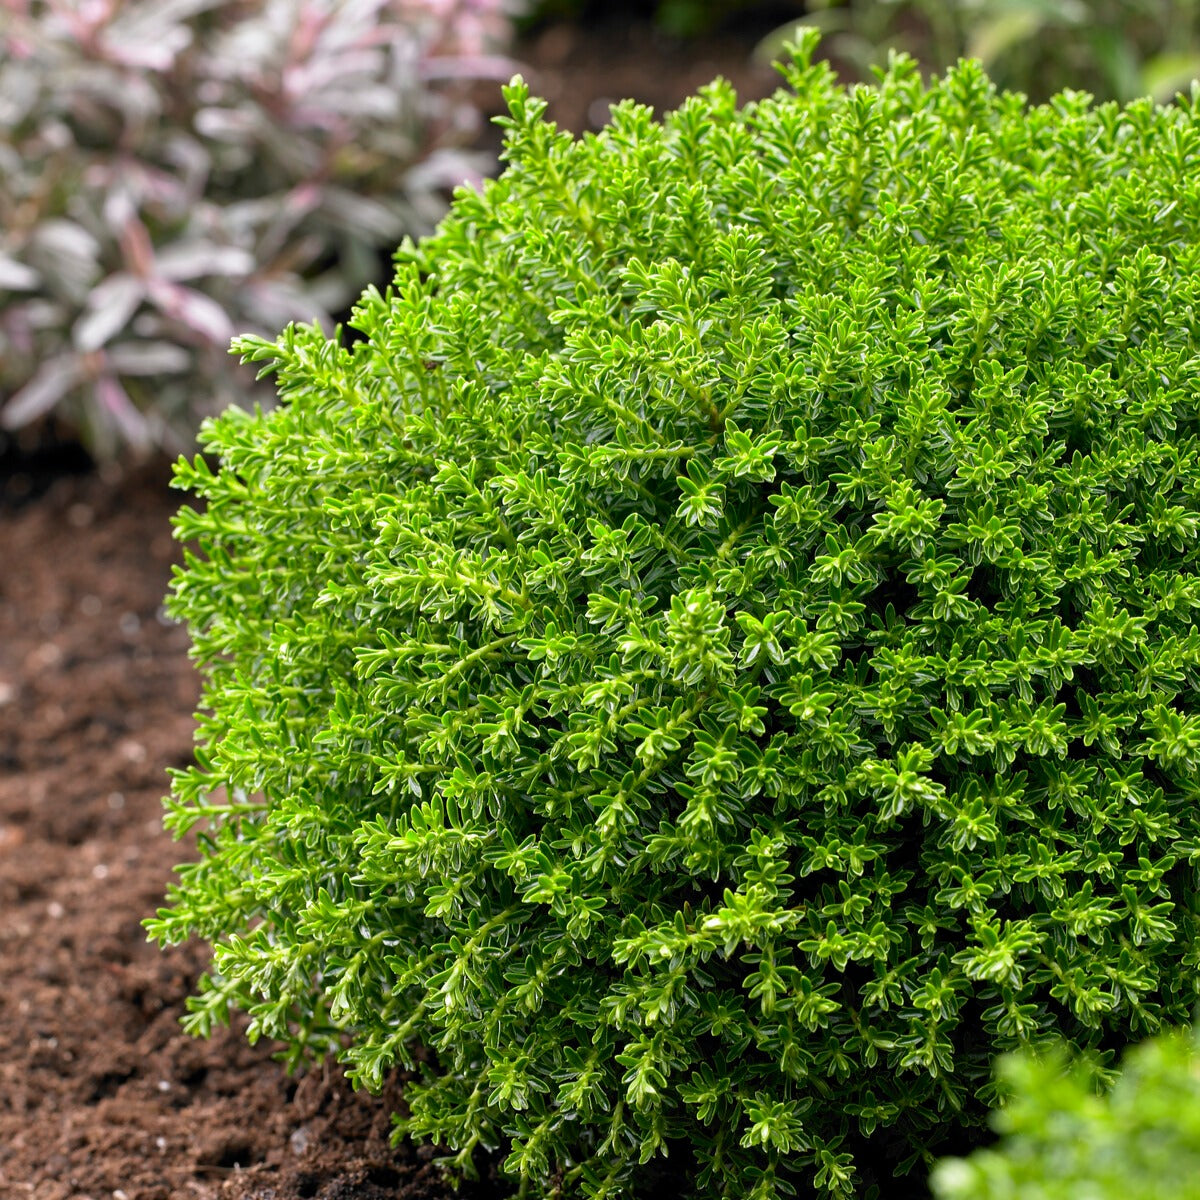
102,1096
101,1093
580,72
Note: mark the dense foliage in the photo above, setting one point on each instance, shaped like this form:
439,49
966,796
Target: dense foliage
1062,1141
718,662
174,173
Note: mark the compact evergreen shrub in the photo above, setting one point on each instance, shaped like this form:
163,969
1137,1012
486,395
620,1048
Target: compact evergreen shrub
1062,1142
717,663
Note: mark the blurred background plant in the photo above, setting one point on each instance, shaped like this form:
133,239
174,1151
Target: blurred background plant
1061,1140
173,172
1115,49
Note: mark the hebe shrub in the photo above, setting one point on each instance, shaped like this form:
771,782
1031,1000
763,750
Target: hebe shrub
1061,1141
173,173
718,662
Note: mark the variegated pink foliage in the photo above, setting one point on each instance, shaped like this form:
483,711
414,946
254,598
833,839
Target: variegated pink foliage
173,172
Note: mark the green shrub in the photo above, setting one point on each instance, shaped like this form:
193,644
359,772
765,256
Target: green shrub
717,663
1062,1142
174,173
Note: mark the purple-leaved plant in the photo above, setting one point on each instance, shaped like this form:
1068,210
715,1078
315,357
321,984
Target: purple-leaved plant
174,172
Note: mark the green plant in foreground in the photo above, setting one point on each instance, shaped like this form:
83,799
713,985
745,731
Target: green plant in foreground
1062,1142
717,664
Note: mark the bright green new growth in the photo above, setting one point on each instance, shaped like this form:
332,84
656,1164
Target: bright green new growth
717,663
1062,1142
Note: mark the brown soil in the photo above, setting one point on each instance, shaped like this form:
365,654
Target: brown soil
101,1094
581,72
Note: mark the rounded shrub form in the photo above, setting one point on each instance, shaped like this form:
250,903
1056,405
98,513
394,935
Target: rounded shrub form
717,663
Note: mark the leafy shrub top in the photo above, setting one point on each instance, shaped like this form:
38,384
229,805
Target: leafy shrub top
718,662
